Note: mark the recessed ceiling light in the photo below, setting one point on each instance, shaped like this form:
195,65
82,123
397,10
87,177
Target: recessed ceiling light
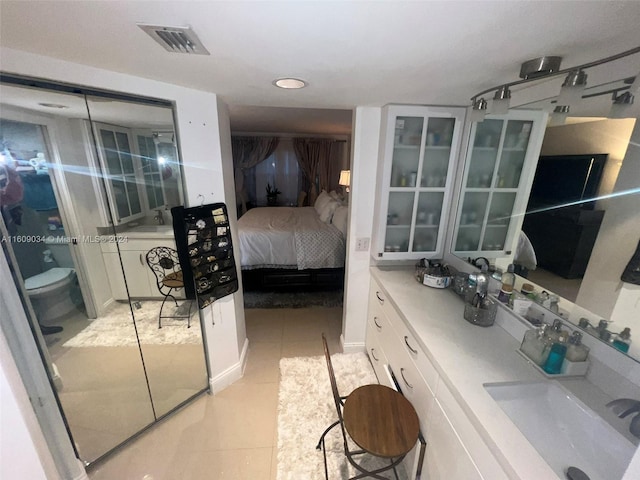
52,105
290,83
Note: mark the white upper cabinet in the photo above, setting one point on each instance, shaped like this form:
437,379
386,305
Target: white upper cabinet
498,172
124,187
419,148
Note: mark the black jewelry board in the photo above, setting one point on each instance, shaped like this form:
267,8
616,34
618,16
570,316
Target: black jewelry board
205,251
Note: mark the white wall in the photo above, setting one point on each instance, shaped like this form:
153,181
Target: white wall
364,160
205,157
18,455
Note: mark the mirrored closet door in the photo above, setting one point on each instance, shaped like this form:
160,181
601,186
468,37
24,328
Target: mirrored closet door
88,184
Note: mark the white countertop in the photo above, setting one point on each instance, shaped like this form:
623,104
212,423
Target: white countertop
467,356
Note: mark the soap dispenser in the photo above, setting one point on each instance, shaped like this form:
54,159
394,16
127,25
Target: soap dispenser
557,353
535,344
576,350
622,341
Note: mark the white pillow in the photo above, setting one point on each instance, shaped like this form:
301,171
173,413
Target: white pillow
322,200
339,219
336,196
327,211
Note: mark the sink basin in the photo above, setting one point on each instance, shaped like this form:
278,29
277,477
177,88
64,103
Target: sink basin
564,431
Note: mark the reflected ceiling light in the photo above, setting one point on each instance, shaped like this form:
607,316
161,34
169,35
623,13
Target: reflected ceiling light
559,115
501,100
290,83
479,110
621,104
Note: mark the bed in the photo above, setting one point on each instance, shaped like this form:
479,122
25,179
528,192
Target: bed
292,247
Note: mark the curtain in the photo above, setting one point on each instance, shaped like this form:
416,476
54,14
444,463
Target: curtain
314,158
247,153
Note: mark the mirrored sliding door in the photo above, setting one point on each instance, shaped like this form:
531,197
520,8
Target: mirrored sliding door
87,187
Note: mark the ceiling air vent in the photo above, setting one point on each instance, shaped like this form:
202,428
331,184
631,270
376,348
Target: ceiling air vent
175,39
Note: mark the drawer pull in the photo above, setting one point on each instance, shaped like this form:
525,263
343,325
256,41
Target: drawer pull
404,379
375,320
141,262
406,341
381,300
373,355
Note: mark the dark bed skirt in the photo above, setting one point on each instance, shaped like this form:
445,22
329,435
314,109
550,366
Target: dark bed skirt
292,279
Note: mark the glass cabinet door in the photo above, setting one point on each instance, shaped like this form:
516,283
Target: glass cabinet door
492,184
416,185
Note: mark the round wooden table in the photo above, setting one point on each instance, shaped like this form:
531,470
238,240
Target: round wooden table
381,421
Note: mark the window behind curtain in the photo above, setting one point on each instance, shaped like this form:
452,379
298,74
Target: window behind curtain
280,170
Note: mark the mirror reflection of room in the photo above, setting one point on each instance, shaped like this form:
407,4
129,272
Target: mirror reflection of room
87,207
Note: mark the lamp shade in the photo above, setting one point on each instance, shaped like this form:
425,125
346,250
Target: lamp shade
345,178
572,88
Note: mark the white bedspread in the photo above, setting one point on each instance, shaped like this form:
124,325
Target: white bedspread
288,237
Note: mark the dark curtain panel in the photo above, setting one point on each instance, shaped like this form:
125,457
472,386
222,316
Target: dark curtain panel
247,153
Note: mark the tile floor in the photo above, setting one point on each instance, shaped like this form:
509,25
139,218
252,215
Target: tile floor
233,434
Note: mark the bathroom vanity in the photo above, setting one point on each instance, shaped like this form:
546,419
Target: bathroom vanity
460,376
134,244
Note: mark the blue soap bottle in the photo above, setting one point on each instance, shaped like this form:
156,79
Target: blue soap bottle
558,350
622,340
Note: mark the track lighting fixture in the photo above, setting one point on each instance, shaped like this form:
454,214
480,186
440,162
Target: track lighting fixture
559,115
621,104
572,88
501,101
479,110
546,67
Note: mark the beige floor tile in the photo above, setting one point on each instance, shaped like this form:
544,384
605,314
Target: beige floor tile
264,324
230,435
236,464
263,363
241,416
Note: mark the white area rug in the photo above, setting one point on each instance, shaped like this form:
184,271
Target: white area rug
306,408
116,328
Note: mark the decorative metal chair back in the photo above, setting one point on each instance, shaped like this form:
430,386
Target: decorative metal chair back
163,261
338,400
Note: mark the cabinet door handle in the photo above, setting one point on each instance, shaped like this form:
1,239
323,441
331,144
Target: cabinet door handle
404,379
141,263
406,342
381,300
373,355
375,320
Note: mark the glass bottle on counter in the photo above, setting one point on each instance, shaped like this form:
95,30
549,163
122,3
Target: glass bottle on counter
505,293
622,341
535,344
576,350
508,277
557,353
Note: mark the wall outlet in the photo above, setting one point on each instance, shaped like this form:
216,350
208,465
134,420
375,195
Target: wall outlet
362,244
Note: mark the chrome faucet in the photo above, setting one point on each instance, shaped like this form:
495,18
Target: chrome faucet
626,406
159,217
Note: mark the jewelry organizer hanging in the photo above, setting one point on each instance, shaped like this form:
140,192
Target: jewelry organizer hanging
205,250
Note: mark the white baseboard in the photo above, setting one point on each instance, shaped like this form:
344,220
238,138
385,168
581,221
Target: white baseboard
231,374
352,347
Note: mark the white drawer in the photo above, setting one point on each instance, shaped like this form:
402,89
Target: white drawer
411,346
475,445
376,355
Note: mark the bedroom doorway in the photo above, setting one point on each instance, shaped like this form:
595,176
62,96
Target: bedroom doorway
292,292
